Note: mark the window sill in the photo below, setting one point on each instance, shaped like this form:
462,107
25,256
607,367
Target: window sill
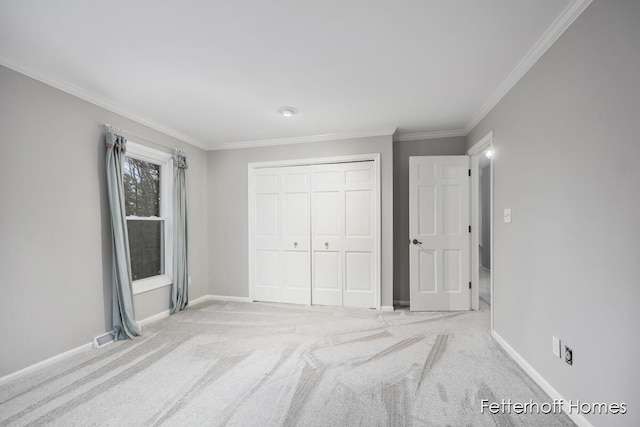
151,283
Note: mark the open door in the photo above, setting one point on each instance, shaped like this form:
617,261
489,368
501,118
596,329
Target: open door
439,233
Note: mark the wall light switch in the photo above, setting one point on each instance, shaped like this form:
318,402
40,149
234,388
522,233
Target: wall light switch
189,281
507,215
556,347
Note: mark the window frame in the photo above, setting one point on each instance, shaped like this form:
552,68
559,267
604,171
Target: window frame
165,161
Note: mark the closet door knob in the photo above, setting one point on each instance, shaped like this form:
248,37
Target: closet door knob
326,245
295,244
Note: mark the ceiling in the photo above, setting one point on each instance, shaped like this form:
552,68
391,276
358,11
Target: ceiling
214,73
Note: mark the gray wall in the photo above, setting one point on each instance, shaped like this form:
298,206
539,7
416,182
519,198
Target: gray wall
566,161
401,152
228,205
55,251
485,216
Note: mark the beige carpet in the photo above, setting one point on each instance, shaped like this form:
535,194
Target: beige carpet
256,364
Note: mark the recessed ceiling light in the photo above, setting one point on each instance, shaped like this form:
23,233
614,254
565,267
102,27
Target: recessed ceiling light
488,154
287,111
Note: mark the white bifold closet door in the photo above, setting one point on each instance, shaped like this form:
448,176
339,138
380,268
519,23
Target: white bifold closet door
343,236
281,260
314,235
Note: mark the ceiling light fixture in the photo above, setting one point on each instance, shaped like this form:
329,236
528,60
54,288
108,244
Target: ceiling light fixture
488,154
287,111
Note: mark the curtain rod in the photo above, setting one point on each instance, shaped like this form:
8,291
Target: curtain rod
136,136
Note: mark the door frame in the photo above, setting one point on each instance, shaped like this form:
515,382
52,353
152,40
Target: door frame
475,152
375,157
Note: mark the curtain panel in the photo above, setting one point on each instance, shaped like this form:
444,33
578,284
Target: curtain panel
124,323
180,287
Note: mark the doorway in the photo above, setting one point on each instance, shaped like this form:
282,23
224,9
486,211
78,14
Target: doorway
482,169
484,231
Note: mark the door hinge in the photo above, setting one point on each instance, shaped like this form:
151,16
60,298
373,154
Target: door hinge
469,229
469,285
469,172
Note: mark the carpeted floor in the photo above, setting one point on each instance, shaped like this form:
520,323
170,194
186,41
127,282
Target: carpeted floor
256,364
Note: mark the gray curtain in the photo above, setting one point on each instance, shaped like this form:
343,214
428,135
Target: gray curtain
124,323
180,288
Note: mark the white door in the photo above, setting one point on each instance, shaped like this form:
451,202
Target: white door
314,234
296,272
266,257
327,224
344,218
359,241
439,234
281,260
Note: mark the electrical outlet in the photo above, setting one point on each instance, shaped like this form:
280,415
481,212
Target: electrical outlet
568,355
555,342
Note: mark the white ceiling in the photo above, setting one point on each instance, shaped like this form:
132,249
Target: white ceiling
214,73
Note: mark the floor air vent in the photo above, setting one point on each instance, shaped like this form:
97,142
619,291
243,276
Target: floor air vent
104,339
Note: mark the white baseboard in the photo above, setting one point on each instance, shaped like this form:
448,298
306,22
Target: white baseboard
144,322
167,313
44,363
227,298
400,302
198,300
579,419
154,318
386,308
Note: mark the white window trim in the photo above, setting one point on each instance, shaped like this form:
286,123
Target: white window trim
165,160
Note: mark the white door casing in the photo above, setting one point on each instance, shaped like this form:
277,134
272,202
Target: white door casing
439,237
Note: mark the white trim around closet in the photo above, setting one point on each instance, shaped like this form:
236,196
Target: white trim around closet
375,157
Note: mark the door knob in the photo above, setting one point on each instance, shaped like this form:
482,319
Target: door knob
416,242
295,244
326,245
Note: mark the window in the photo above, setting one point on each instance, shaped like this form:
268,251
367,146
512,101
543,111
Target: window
147,178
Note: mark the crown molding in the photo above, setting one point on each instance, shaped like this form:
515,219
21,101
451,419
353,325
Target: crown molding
429,135
97,100
304,139
566,18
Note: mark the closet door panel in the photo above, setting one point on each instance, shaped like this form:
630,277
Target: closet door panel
327,221
327,275
266,223
267,209
266,276
358,274
314,235
359,235
296,235
296,286
295,221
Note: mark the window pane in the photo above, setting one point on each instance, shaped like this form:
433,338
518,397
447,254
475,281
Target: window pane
146,242
141,187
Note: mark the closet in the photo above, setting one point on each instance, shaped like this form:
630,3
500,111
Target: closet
314,234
